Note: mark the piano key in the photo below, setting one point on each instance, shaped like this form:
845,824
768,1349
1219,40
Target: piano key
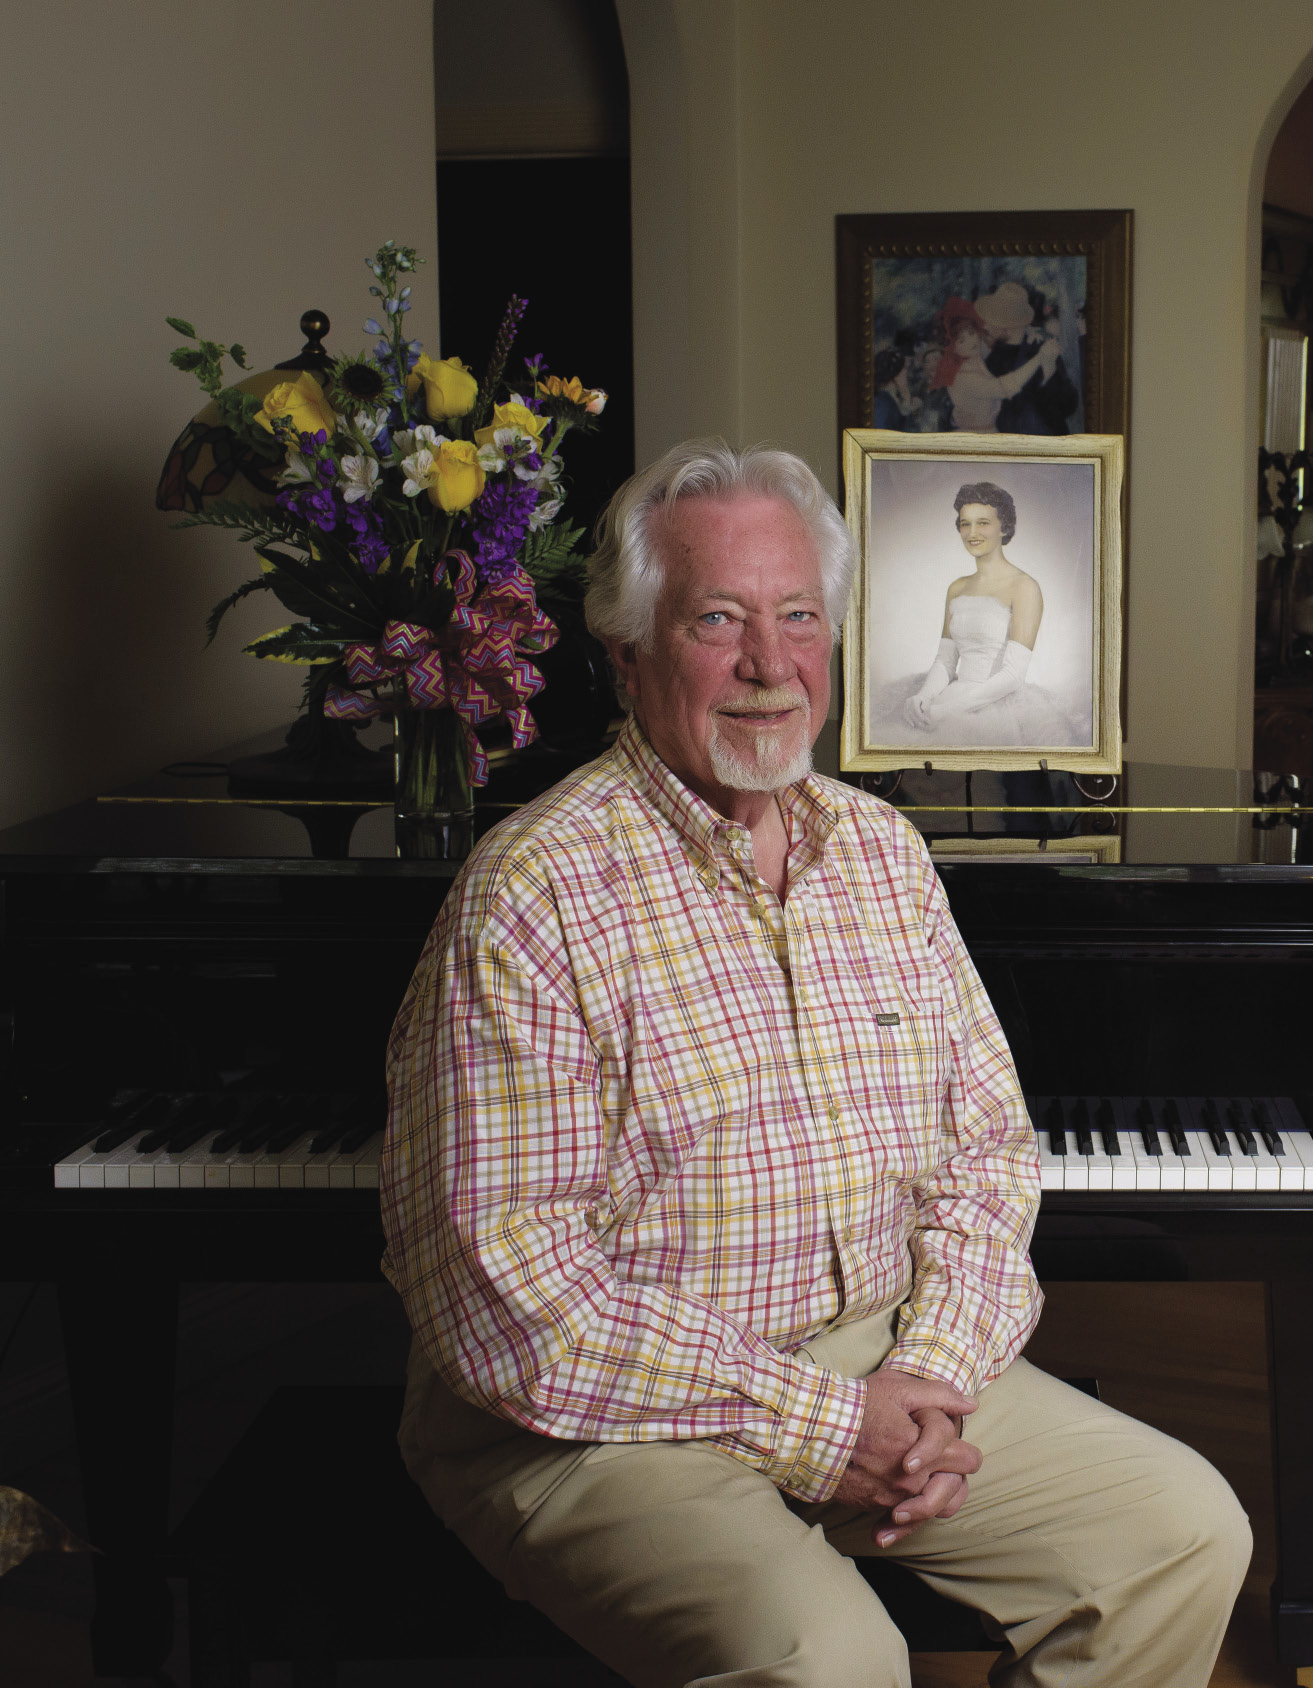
132,1122
1296,1141
1108,1121
358,1170
1149,1168
1077,1110
1090,1154
1261,1115
1174,1125
1146,1120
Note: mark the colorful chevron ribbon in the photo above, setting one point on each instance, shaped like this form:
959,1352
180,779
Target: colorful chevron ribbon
477,664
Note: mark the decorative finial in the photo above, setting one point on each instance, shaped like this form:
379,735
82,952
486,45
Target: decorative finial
314,325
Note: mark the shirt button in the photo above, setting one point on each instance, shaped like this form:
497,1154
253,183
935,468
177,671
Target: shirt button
832,1111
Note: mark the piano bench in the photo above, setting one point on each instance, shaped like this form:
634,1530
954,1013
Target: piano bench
312,1544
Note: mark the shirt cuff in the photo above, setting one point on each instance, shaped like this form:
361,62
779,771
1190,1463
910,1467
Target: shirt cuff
819,1436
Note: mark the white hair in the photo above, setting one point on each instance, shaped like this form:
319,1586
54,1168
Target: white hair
626,572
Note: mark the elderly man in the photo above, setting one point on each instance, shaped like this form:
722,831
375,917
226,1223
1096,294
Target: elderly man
708,1188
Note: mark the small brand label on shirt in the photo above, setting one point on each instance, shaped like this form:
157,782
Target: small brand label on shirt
886,1019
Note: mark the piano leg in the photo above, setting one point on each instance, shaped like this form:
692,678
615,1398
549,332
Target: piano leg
120,1340
1290,1338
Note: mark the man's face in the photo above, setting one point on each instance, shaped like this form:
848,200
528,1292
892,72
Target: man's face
736,684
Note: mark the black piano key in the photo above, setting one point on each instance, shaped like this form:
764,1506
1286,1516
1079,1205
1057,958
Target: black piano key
325,1139
1106,1119
259,1130
358,1136
181,1112
248,1114
285,1136
1055,1122
1180,1138
142,1116
197,1124
1216,1130
1235,1114
1080,1120
1153,1144
1262,1118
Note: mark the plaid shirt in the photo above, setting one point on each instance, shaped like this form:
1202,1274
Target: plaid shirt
651,1131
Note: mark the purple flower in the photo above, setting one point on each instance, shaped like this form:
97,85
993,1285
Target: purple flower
368,541
498,521
320,507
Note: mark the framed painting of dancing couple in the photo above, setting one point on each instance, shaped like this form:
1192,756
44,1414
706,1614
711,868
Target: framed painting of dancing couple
985,627
1010,322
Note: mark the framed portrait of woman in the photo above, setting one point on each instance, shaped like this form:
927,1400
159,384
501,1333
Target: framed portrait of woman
985,627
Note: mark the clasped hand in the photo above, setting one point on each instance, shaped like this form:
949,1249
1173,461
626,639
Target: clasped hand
910,1458
917,712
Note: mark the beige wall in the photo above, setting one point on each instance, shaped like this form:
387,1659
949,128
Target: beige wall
231,163
755,121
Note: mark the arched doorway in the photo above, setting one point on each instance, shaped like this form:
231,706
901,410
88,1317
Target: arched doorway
1283,626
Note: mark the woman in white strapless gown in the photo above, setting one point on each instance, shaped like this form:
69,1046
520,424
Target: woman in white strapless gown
976,692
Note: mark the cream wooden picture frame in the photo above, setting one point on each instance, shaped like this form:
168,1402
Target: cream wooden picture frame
908,610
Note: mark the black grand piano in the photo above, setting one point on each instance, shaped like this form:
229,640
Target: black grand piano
196,990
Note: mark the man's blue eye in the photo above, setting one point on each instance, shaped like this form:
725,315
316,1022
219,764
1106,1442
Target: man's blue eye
714,618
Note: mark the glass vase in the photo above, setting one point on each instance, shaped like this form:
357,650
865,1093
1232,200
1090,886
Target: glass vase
433,799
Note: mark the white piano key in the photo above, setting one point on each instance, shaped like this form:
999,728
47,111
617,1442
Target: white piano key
1194,1166
342,1174
1148,1168
1124,1170
1220,1167
110,1171
1297,1163
1052,1168
366,1168
67,1170
1267,1166
271,1166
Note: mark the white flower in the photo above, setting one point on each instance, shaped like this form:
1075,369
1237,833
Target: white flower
358,478
492,459
543,513
419,472
543,478
369,425
408,440
298,469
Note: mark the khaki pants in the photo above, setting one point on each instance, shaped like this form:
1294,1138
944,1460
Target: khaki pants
1098,1550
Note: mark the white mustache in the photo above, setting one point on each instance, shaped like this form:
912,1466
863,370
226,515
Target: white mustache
764,703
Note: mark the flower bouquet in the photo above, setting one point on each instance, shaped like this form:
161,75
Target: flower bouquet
418,509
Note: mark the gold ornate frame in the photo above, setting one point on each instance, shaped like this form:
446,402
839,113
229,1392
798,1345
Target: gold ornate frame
859,751
1102,238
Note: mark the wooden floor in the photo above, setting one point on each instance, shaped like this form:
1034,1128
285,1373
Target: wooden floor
1188,1358
1191,1360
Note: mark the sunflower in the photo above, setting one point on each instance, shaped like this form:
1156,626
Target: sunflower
357,383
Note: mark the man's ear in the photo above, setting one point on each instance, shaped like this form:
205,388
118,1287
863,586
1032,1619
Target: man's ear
623,661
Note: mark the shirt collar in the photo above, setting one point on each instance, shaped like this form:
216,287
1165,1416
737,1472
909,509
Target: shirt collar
809,812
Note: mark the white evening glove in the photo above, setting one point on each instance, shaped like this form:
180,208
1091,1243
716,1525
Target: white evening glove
941,672
975,694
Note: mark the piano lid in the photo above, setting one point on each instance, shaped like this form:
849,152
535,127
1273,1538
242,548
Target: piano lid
188,819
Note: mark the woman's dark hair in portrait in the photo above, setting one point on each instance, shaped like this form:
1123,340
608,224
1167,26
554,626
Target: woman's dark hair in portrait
985,492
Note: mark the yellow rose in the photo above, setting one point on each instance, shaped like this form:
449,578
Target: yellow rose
302,402
449,388
457,478
512,415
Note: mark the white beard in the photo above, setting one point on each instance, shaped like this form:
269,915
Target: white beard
771,769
